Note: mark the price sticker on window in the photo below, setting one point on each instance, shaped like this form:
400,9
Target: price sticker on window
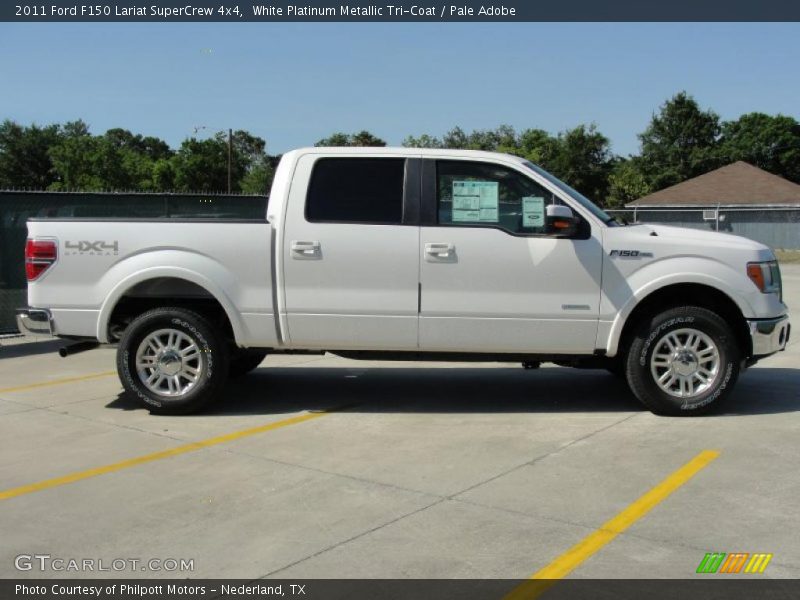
533,211
475,201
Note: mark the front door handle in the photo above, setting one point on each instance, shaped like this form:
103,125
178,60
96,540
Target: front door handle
305,249
439,250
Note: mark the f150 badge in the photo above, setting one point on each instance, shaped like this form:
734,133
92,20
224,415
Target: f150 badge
88,248
630,254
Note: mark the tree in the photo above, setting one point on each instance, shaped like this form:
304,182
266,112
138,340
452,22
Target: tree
583,160
423,141
117,160
679,143
164,174
480,139
25,155
538,146
769,142
362,138
258,178
201,165
151,147
365,138
76,160
455,138
626,183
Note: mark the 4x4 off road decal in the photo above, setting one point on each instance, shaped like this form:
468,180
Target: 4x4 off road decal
91,248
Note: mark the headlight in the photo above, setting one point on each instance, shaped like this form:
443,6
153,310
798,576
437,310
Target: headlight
766,276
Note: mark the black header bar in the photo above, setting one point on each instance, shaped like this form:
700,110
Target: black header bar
243,11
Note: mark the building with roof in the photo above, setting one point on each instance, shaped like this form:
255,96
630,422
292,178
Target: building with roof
737,198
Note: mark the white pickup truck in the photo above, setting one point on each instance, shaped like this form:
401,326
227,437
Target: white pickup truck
409,254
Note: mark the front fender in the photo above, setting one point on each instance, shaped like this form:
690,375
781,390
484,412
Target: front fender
623,291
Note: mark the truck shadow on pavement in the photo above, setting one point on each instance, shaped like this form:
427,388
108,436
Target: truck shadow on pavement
278,390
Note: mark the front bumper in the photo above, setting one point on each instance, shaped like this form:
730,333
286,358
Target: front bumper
769,335
35,322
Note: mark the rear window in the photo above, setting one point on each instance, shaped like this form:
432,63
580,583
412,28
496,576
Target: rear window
356,190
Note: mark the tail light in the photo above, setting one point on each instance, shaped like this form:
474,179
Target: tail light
39,256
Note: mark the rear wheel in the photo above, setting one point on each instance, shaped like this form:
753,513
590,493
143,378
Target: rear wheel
172,360
683,361
244,360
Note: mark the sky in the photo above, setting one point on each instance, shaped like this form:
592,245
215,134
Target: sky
294,83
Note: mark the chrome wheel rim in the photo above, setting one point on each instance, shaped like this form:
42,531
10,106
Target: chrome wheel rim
169,362
685,363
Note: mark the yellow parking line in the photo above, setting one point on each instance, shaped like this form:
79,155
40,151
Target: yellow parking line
567,562
139,460
32,386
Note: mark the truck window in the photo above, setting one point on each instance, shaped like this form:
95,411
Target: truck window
356,190
487,195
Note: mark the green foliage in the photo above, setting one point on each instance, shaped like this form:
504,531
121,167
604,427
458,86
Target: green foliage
163,174
70,157
626,183
769,142
583,159
25,155
258,178
679,143
201,165
362,138
423,141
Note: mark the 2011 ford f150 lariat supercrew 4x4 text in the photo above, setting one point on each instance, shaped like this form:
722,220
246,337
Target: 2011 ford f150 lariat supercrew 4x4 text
409,254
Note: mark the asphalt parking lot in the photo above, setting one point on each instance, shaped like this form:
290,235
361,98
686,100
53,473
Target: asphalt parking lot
320,467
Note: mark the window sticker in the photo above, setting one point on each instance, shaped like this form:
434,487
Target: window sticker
533,211
475,201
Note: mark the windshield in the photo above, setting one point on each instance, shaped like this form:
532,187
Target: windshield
575,195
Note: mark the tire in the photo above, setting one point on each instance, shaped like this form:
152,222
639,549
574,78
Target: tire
694,354
158,347
244,360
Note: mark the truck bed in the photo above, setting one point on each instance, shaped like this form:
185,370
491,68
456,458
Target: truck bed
102,261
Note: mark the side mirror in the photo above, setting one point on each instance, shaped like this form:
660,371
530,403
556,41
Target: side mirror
560,221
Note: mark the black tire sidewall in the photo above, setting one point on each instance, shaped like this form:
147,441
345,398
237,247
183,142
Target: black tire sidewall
640,377
204,335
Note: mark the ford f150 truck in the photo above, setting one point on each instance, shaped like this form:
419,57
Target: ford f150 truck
409,254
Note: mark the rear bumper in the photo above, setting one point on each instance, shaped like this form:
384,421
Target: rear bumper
769,335
35,322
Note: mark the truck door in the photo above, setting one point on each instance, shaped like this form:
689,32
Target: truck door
350,259
493,279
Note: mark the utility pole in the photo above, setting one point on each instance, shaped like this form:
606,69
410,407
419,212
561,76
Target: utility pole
230,154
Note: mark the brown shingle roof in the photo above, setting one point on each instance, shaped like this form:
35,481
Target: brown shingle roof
737,183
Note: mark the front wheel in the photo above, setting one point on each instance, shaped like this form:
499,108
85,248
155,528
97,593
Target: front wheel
172,360
683,361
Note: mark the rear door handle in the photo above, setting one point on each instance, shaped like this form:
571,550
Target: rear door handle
439,250
305,249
